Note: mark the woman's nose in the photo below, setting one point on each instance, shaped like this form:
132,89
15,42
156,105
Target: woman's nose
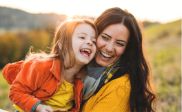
109,47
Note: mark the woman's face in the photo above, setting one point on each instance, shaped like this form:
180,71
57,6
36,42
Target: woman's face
111,44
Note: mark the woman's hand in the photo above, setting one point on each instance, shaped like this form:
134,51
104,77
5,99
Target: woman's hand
43,108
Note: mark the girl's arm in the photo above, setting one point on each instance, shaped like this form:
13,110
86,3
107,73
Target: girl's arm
23,87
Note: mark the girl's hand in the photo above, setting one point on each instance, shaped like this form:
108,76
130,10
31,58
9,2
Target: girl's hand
43,108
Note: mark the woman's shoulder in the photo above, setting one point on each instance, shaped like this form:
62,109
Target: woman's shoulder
114,90
122,82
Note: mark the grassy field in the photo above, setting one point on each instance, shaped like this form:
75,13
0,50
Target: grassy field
158,31
164,53
4,100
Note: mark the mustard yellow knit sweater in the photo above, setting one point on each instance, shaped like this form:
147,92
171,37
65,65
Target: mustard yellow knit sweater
112,97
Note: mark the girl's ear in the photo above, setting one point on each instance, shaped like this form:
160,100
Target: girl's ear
60,46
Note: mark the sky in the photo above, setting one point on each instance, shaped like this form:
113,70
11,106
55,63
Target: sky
153,10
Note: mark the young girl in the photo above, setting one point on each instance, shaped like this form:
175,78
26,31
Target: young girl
48,82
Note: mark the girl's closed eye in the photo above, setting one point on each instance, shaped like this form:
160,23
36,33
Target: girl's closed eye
82,37
94,41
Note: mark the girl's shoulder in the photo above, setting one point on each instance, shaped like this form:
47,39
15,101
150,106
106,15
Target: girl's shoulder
11,70
39,60
39,65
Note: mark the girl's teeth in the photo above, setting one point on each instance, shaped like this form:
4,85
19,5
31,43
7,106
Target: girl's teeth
86,52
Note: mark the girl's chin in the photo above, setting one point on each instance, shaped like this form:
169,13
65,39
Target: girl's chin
83,61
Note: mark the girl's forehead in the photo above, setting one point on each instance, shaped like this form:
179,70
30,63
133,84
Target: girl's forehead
84,28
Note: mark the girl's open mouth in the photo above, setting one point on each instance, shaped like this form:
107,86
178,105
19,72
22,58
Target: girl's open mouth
86,52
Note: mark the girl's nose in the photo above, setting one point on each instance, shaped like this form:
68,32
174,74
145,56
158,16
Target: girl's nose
89,42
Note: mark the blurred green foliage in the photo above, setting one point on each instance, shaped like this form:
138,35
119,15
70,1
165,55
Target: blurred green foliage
15,45
164,52
157,31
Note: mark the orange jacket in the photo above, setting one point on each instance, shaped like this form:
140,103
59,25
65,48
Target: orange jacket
36,80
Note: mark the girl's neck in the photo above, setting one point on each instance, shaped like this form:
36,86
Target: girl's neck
69,74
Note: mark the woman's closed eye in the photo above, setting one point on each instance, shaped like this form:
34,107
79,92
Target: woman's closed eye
120,44
106,38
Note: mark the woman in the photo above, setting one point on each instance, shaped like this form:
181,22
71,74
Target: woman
118,80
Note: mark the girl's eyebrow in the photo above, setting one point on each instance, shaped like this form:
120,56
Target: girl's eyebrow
87,34
82,33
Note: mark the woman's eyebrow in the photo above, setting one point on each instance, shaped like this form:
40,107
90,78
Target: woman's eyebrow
107,35
111,37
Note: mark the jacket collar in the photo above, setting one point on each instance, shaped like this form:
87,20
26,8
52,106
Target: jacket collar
56,69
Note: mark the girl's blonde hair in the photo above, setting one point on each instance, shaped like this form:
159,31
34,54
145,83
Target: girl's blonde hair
62,43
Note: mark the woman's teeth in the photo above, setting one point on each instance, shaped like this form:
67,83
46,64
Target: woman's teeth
106,55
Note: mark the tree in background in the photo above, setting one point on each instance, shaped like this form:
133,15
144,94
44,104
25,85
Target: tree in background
15,45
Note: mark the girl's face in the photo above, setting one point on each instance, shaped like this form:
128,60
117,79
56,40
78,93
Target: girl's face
83,43
111,44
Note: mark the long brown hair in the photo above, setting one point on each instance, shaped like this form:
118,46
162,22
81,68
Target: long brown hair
133,61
